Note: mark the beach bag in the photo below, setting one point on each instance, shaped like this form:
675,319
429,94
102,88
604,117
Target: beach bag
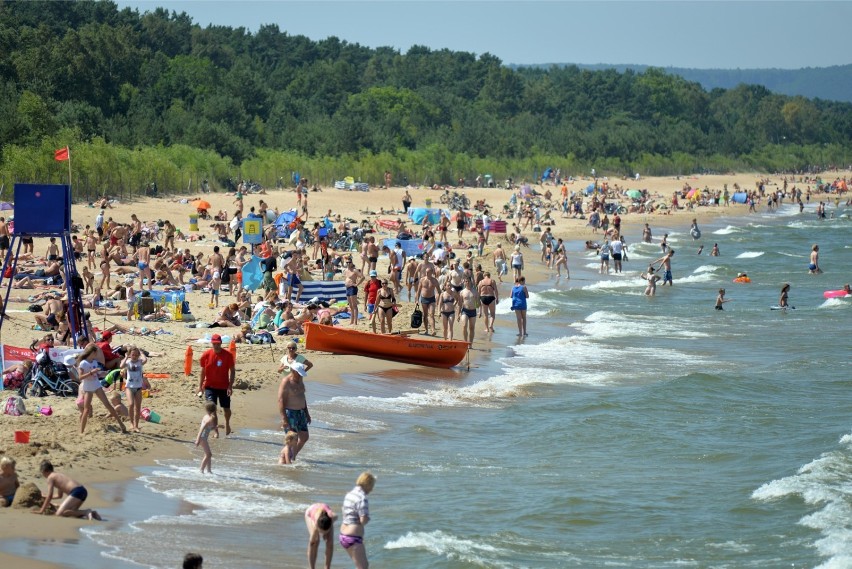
416,318
14,406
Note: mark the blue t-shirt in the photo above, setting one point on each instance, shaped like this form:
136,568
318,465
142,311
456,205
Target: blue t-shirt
519,299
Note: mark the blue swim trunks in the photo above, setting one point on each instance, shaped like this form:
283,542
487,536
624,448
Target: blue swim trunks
298,420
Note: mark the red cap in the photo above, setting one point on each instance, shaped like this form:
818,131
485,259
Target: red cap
216,339
106,336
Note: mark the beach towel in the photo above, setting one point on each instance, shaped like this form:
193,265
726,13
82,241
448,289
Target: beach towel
322,290
411,247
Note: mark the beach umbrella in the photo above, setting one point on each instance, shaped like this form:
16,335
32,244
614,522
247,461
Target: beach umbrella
634,194
691,193
6,206
200,204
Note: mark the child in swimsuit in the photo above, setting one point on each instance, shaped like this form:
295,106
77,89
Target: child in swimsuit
288,453
210,423
9,483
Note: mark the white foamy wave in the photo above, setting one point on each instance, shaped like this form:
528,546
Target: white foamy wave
452,548
706,269
632,281
584,357
536,306
836,303
603,324
823,482
489,393
728,230
750,255
699,278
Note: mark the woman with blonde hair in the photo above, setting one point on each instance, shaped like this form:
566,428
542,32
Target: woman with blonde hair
91,386
356,514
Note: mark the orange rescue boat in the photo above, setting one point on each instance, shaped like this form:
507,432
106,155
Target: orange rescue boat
394,347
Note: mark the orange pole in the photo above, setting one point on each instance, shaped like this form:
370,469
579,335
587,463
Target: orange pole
187,362
232,347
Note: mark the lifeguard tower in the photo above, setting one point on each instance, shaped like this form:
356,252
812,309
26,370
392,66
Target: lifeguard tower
45,211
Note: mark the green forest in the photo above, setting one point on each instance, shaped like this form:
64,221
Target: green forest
153,97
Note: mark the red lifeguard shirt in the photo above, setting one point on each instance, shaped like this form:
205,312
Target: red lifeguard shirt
217,368
107,350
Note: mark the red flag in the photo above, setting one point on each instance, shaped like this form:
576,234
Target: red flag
61,154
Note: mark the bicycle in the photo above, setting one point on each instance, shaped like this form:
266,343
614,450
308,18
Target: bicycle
47,376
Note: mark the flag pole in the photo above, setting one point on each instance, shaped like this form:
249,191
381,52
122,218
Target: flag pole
69,166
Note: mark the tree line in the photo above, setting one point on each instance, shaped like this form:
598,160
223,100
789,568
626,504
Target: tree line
154,97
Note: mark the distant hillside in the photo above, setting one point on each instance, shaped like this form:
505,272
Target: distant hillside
829,83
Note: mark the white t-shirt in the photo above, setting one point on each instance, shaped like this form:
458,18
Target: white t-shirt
90,383
617,247
134,374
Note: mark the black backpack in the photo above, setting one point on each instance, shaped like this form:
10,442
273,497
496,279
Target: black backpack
416,318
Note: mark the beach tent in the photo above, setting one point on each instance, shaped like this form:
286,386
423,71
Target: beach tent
412,247
418,214
590,189
546,174
634,194
739,197
283,223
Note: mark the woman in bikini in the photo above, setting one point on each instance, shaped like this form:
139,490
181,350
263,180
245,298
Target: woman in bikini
356,514
385,303
449,301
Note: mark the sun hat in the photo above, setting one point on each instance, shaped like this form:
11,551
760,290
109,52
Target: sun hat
299,368
215,339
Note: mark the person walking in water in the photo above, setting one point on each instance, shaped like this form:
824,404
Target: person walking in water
356,514
720,300
813,267
666,262
520,294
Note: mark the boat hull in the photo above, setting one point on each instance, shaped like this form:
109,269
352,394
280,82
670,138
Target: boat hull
397,348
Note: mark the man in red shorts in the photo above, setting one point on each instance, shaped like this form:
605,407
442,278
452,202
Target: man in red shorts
217,378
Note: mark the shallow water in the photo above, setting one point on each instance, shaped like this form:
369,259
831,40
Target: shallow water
626,431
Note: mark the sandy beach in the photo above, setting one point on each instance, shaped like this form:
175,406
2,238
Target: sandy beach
104,454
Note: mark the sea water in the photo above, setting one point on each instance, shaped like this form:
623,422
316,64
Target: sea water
625,431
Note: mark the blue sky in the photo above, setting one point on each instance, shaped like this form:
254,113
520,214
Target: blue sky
708,34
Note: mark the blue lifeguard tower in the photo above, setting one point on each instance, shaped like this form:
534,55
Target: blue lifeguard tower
45,211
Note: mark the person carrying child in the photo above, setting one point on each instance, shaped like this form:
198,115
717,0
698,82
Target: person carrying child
210,423
9,482
63,484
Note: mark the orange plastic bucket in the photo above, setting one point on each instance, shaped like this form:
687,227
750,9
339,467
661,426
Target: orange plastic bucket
22,437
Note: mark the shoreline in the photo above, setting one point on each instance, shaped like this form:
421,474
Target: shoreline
180,422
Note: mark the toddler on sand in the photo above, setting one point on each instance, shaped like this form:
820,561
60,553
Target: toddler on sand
210,423
9,483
